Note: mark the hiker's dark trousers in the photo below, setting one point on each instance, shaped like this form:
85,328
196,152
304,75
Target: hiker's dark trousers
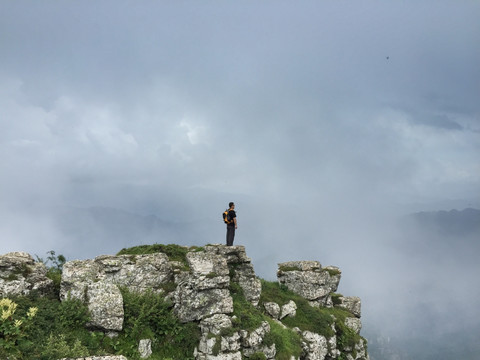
230,234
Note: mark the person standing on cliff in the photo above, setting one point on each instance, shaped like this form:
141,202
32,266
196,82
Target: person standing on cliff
232,224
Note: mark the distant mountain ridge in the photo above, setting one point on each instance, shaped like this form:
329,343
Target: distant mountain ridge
453,222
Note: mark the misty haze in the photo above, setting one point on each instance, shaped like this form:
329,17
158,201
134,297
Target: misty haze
347,133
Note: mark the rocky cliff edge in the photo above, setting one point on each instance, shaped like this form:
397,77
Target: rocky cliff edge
202,287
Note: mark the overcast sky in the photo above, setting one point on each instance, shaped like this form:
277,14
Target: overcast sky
327,116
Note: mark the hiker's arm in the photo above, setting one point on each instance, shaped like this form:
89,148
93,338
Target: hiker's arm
235,221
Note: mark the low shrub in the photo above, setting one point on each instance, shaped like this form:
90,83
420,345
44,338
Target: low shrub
258,356
149,315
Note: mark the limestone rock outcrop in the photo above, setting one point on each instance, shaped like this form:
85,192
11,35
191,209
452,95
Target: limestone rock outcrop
20,275
350,303
242,269
309,280
201,287
121,357
105,303
314,346
136,272
203,290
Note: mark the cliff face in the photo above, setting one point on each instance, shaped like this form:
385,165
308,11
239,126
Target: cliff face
208,286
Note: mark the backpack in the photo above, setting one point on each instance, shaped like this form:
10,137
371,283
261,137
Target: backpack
226,218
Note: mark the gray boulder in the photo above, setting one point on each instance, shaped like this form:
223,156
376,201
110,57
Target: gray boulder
203,291
225,356
105,303
358,352
76,277
227,346
145,348
354,323
241,268
273,309
136,272
350,303
230,343
314,346
214,324
20,274
289,309
252,342
309,280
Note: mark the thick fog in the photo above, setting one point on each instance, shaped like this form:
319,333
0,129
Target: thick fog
327,123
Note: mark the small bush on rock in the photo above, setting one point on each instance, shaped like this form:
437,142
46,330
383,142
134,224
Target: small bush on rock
149,315
258,356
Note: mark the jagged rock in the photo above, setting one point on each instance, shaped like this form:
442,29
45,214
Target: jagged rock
214,324
354,323
20,275
206,263
105,303
289,309
333,352
273,309
306,265
204,291
230,343
227,356
232,254
145,348
76,276
351,303
206,344
192,304
314,346
136,272
211,328
240,265
252,287
309,280
360,352
120,357
253,342
255,337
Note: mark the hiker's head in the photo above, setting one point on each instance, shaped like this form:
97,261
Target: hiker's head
231,204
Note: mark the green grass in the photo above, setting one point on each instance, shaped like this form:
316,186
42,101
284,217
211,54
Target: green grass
59,330
285,268
333,272
336,299
287,342
249,317
173,251
150,316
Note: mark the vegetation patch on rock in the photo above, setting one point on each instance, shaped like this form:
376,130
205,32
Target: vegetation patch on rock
173,251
